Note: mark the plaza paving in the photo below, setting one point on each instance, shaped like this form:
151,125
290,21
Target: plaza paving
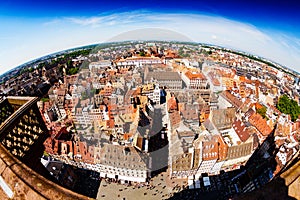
160,187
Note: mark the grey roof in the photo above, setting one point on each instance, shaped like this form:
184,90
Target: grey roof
124,157
161,76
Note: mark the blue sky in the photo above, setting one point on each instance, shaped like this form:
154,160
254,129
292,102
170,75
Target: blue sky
33,29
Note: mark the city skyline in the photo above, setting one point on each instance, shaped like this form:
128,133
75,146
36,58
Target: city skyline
33,30
131,114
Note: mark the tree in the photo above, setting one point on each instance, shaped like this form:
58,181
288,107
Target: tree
69,63
45,99
142,53
93,91
31,69
288,106
262,111
84,95
41,65
73,71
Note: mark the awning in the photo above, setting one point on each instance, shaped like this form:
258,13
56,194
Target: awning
197,183
133,179
206,181
111,176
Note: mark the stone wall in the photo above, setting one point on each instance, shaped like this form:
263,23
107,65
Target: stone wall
25,183
22,133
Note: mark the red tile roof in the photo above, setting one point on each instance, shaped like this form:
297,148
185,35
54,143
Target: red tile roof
175,118
172,104
232,99
214,79
191,75
210,149
260,123
241,130
223,148
258,106
110,123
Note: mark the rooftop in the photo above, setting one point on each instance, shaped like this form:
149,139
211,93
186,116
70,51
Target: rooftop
223,118
195,75
232,99
260,123
163,76
123,157
241,130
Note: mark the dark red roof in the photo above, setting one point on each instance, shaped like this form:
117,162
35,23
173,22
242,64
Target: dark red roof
241,130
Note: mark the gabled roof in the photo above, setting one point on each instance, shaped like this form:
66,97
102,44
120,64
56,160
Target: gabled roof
124,157
260,123
241,130
190,75
162,76
232,99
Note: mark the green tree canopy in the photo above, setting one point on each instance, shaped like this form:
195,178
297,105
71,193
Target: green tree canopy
262,111
72,71
142,53
289,106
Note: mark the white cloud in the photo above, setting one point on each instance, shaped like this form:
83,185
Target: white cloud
110,18
63,33
150,34
86,21
52,22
